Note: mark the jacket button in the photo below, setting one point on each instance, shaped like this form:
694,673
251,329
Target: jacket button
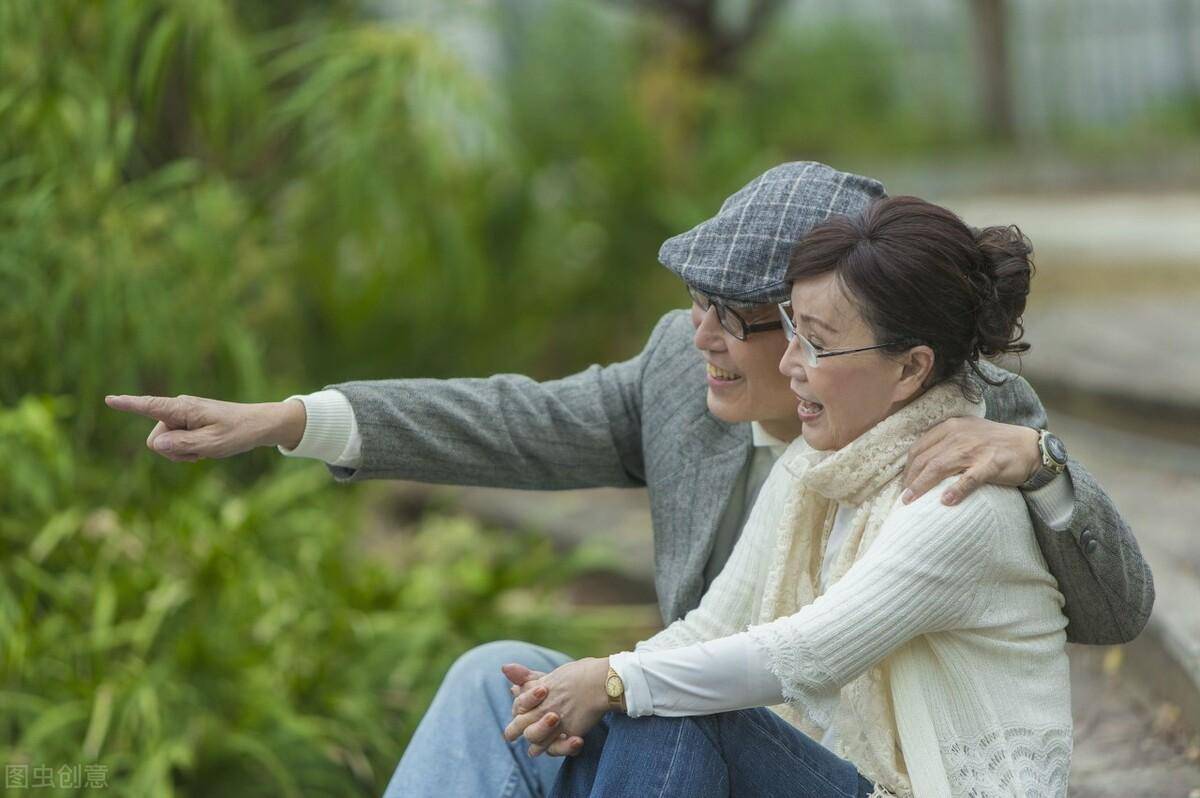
1090,544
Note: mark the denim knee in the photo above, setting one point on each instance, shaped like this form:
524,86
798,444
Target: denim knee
485,660
652,727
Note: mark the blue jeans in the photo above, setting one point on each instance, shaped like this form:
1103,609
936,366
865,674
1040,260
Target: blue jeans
458,749
751,752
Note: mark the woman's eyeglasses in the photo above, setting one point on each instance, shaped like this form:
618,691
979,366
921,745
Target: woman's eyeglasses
731,321
810,352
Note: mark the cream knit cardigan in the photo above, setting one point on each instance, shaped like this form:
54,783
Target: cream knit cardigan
937,649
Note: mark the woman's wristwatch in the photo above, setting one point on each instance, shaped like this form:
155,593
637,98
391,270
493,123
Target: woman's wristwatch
1054,461
614,688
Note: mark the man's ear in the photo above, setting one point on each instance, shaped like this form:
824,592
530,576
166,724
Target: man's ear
915,367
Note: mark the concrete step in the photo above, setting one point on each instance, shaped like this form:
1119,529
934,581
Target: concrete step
1114,312
1131,362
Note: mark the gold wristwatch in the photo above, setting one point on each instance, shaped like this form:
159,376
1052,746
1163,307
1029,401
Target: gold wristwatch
614,688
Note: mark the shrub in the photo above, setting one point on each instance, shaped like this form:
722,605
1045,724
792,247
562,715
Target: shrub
216,638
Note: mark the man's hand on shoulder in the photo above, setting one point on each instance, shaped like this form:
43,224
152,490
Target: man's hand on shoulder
983,452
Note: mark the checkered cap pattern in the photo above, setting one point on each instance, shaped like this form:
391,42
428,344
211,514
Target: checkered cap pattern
741,254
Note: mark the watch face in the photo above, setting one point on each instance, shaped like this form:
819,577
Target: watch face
613,686
1056,449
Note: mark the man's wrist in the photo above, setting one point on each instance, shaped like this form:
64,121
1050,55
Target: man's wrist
288,420
1034,451
1052,461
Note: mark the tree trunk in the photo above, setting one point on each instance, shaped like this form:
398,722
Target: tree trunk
990,19
721,46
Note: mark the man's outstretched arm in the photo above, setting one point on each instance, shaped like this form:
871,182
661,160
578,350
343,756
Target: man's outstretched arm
505,431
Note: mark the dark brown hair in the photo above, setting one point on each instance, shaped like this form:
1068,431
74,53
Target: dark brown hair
919,275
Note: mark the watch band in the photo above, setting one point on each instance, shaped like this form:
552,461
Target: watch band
1050,467
614,688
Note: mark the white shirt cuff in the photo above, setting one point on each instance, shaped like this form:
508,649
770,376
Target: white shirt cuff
712,676
329,430
1054,502
638,701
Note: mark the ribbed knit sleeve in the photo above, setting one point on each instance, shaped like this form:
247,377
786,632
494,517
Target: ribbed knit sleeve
920,575
1054,502
330,430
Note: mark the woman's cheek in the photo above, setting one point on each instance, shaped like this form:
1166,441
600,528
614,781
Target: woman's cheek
841,409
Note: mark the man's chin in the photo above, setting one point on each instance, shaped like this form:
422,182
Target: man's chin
725,412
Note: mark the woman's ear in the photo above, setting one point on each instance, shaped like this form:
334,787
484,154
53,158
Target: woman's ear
915,367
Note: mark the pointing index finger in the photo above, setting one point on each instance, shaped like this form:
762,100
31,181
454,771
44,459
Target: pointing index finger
160,408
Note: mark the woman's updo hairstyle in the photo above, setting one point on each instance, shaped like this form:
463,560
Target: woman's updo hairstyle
919,275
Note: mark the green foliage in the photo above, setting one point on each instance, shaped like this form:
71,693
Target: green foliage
233,640
290,187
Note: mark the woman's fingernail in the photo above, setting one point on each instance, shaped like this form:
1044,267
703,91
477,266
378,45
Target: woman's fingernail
552,720
162,445
906,496
949,498
540,692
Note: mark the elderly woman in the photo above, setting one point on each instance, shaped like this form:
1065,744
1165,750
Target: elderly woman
904,648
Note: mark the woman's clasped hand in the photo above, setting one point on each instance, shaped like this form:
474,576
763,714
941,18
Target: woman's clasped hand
553,711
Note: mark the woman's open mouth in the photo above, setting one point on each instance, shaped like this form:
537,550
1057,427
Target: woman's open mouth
808,411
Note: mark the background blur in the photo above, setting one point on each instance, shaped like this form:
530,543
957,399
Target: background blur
248,200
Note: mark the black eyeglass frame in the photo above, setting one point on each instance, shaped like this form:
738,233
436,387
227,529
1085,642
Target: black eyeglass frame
704,302
812,355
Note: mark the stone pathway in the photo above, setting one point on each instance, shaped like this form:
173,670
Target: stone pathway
1126,743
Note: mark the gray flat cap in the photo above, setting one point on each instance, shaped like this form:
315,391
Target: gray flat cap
741,254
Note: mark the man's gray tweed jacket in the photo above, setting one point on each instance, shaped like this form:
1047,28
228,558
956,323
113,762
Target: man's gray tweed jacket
644,422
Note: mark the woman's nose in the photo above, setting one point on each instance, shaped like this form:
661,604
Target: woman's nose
790,365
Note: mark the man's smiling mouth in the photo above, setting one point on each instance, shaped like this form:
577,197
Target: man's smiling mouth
722,374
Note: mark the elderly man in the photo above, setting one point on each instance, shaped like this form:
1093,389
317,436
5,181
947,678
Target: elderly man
698,417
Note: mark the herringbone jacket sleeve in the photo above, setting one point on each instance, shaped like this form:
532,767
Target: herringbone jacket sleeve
1095,557
507,430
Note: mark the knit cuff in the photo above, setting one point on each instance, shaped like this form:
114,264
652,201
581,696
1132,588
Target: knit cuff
1054,502
327,429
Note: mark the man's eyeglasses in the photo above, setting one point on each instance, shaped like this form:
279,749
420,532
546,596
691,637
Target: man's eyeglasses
809,351
731,321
